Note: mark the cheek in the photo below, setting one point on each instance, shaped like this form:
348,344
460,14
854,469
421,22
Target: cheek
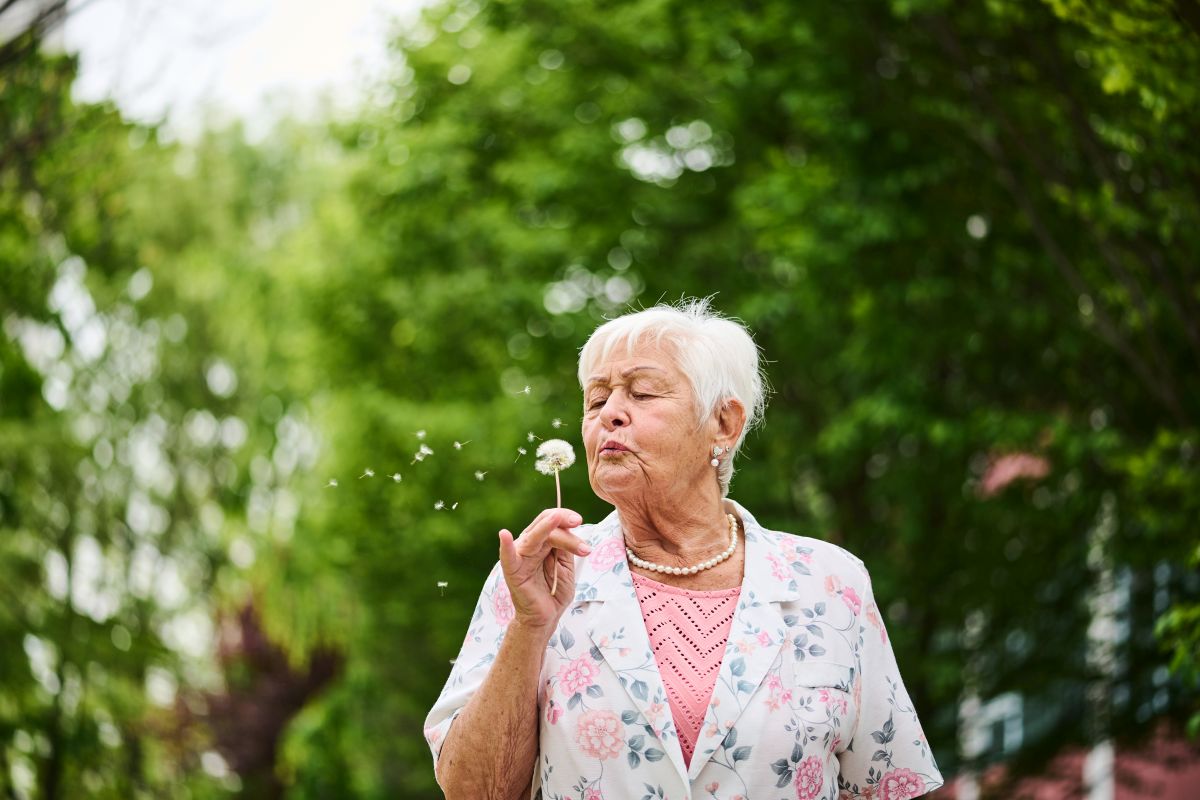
588,435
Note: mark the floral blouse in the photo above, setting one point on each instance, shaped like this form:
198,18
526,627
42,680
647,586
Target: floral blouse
808,702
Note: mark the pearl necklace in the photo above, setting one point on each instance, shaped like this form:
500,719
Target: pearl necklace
712,562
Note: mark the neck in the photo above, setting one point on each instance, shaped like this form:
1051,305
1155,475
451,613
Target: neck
678,531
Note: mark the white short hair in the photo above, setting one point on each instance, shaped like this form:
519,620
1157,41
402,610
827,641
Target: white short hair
716,353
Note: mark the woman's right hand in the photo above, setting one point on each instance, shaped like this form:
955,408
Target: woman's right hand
528,565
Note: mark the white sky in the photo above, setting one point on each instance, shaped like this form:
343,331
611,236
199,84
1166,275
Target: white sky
184,61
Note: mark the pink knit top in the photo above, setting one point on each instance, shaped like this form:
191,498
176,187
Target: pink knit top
688,631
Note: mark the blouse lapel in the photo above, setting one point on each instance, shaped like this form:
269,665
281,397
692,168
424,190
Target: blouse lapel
618,633
755,641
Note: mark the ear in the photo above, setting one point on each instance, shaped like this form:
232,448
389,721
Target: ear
731,418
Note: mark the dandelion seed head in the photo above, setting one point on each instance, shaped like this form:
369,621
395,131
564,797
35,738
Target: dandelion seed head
531,436
459,445
479,475
526,390
396,477
332,482
421,434
367,473
442,584
439,505
554,455
454,507
556,423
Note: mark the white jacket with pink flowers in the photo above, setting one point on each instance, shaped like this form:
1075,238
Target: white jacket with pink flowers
808,703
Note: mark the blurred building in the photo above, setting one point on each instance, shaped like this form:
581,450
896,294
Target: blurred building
1160,764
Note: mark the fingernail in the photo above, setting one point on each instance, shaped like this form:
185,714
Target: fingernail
575,518
583,548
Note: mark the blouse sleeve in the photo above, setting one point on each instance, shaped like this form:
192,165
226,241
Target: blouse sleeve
888,755
493,612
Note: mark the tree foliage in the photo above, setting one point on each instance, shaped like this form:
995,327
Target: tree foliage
964,235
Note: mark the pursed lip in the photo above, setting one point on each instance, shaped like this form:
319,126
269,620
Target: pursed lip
612,445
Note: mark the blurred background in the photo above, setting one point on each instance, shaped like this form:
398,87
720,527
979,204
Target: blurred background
290,291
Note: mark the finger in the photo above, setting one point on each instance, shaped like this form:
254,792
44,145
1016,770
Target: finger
563,559
553,570
568,542
538,520
556,539
566,561
550,519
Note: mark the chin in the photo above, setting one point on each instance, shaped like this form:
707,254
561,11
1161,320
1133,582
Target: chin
612,486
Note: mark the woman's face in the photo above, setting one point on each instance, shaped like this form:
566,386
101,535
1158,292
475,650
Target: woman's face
639,428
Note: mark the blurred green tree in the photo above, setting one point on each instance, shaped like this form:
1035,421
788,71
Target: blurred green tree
960,234
964,234
135,409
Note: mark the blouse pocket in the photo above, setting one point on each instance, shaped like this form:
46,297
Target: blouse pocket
823,675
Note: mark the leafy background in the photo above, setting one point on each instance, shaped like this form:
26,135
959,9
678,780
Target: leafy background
964,234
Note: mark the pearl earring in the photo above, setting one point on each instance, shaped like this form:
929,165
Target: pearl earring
716,452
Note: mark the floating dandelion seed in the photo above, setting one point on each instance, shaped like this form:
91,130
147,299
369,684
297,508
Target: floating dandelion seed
556,423
459,445
553,456
424,450
420,434
454,507
479,475
367,473
332,482
396,477
526,390
531,436
439,505
520,452
442,587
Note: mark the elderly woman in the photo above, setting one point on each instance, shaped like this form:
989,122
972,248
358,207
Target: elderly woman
687,651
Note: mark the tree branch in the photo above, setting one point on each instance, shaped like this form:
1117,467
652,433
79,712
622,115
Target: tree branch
29,37
1188,319
1161,385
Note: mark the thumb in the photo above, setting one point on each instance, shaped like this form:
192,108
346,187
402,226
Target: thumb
507,549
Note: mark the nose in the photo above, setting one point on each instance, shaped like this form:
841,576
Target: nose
614,414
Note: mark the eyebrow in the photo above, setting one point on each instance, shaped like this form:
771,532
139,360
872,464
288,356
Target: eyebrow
625,373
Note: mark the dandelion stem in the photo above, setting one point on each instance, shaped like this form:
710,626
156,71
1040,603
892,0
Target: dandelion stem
558,504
